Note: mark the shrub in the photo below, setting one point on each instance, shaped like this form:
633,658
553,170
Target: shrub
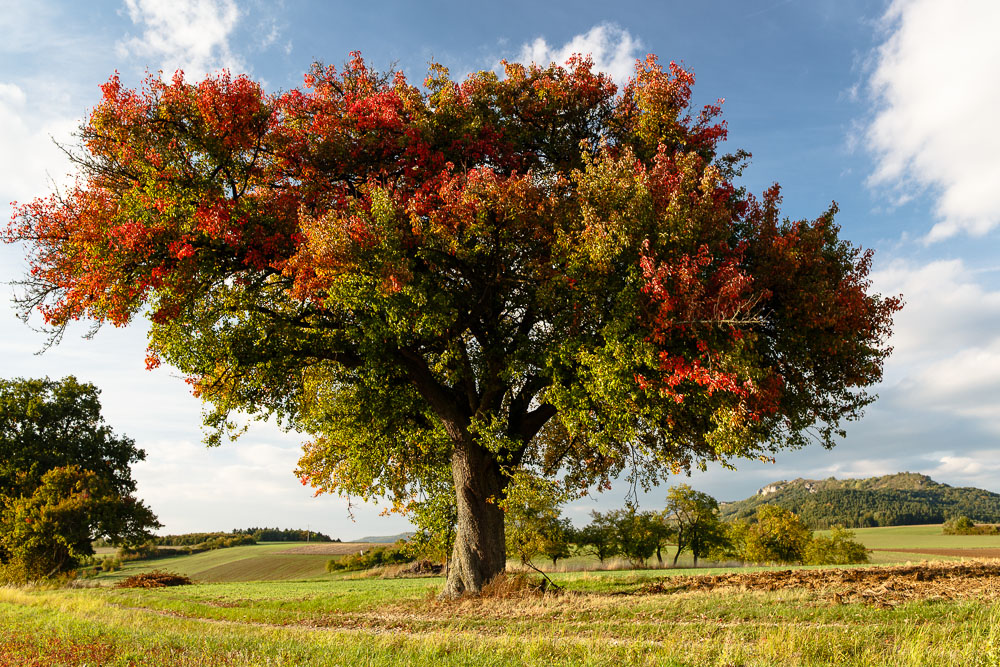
839,548
963,525
154,579
368,559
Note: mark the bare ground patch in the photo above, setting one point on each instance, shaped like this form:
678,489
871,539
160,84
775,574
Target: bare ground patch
883,587
332,548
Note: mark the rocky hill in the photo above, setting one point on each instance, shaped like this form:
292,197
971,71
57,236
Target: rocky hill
892,500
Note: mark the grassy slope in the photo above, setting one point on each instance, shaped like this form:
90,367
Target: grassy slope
248,563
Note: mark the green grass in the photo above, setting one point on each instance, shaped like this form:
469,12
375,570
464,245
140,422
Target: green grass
921,537
258,562
294,613
601,621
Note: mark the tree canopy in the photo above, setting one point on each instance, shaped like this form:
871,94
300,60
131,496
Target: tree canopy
65,478
527,270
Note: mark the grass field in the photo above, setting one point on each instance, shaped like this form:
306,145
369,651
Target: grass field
742,616
604,618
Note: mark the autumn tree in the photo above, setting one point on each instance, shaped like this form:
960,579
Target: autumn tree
531,270
696,517
776,534
65,478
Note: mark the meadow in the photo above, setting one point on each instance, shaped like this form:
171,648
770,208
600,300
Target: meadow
733,616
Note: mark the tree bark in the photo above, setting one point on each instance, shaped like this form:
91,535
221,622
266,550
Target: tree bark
479,553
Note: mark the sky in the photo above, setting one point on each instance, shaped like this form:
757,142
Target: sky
887,108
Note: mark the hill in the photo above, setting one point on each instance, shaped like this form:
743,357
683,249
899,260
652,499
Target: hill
892,500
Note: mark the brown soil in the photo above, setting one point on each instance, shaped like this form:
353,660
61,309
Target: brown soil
332,548
975,552
879,586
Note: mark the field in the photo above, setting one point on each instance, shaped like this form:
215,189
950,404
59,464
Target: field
926,614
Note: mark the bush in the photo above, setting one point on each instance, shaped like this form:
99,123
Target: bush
154,579
839,548
777,535
365,560
963,525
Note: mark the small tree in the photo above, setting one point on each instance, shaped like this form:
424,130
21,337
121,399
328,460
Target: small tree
695,514
638,534
65,478
532,518
51,530
839,548
778,535
599,537
558,539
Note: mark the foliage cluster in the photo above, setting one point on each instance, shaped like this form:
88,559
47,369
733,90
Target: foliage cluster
375,557
963,525
65,479
208,542
778,535
284,535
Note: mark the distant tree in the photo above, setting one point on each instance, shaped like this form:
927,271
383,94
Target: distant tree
778,535
599,537
839,548
532,517
696,517
558,540
638,534
435,516
65,477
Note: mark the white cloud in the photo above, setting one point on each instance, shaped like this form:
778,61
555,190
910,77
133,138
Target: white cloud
613,49
27,142
946,340
191,35
936,87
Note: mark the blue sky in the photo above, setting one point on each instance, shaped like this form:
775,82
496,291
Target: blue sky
886,107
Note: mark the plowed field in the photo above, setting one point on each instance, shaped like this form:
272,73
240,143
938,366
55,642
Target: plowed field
879,586
332,548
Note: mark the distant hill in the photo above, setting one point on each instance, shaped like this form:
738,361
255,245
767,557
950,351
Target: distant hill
905,498
386,539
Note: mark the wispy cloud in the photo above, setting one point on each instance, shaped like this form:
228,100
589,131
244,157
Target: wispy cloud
936,90
190,35
613,49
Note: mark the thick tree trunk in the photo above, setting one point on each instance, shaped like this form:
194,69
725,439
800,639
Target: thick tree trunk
480,552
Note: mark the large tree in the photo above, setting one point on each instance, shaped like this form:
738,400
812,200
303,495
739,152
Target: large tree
65,478
531,270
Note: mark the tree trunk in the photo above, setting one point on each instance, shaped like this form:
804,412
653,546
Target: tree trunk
479,553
